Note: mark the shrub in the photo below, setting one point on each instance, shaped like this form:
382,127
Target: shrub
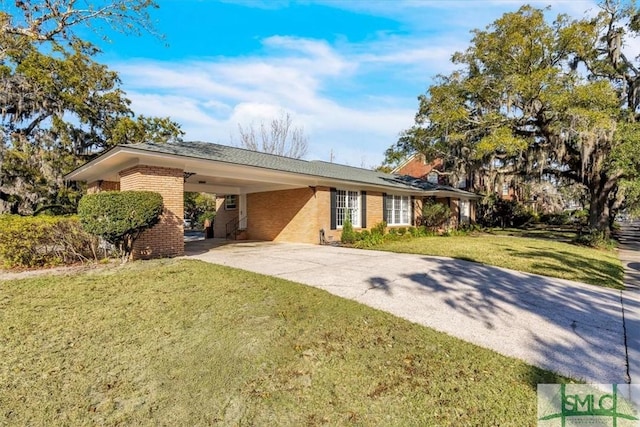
120,216
595,239
348,235
43,241
206,216
402,230
580,217
379,229
493,211
434,214
457,232
198,207
523,215
362,235
422,231
372,239
559,218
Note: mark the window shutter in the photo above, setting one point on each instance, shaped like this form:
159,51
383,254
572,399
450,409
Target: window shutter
363,201
333,207
412,210
384,207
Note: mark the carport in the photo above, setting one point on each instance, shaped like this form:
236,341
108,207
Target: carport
171,171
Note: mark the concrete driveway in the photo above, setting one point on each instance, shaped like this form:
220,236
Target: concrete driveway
567,327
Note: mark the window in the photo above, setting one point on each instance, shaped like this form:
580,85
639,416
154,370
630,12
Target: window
398,210
465,211
432,177
231,202
347,201
505,189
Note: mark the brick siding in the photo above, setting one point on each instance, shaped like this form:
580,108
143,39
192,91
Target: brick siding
417,167
166,238
223,216
295,215
98,186
284,216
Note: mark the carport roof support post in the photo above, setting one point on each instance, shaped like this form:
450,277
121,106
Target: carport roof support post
166,238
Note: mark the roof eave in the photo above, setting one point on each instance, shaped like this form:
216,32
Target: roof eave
122,157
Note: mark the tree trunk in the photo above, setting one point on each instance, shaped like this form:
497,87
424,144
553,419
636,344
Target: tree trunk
599,212
600,192
615,203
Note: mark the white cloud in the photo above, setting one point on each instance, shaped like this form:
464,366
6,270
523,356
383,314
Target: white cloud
210,98
352,98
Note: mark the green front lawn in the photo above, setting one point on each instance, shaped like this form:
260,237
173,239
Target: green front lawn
174,342
543,256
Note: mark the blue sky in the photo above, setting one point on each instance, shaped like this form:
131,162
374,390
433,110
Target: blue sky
348,72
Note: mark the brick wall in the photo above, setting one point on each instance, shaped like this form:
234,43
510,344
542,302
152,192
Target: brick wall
374,212
323,212
418,168
454,205
418,203
165,238
299,215
374,209
284,216
223,216
98,186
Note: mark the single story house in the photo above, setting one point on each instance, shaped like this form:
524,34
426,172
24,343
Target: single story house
262,196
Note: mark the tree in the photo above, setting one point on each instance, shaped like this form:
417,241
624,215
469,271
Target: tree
199,206
527,103
58,106
50,20
434,214
120,217
278,137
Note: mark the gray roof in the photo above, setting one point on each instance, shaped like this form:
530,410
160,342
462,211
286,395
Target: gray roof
240,156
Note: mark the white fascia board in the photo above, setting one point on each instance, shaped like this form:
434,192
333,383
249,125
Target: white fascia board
105,167
119,158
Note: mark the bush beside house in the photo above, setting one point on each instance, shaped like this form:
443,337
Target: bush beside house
44,241
119,217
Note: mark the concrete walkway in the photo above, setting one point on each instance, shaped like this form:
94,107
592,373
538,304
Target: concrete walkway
629,238
568,327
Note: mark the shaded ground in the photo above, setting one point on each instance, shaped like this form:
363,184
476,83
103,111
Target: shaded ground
547,257
629,250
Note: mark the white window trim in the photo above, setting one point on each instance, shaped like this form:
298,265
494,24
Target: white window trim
391,201
356,212
465,211
226,202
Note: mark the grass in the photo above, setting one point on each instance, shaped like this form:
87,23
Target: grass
543,256
559,233
173,342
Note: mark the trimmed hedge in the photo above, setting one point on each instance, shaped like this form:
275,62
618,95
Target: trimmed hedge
43,241
120,216
434,214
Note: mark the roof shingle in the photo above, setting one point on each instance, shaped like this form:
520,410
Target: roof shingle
240,156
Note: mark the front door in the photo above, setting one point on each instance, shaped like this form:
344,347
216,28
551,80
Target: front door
242,212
